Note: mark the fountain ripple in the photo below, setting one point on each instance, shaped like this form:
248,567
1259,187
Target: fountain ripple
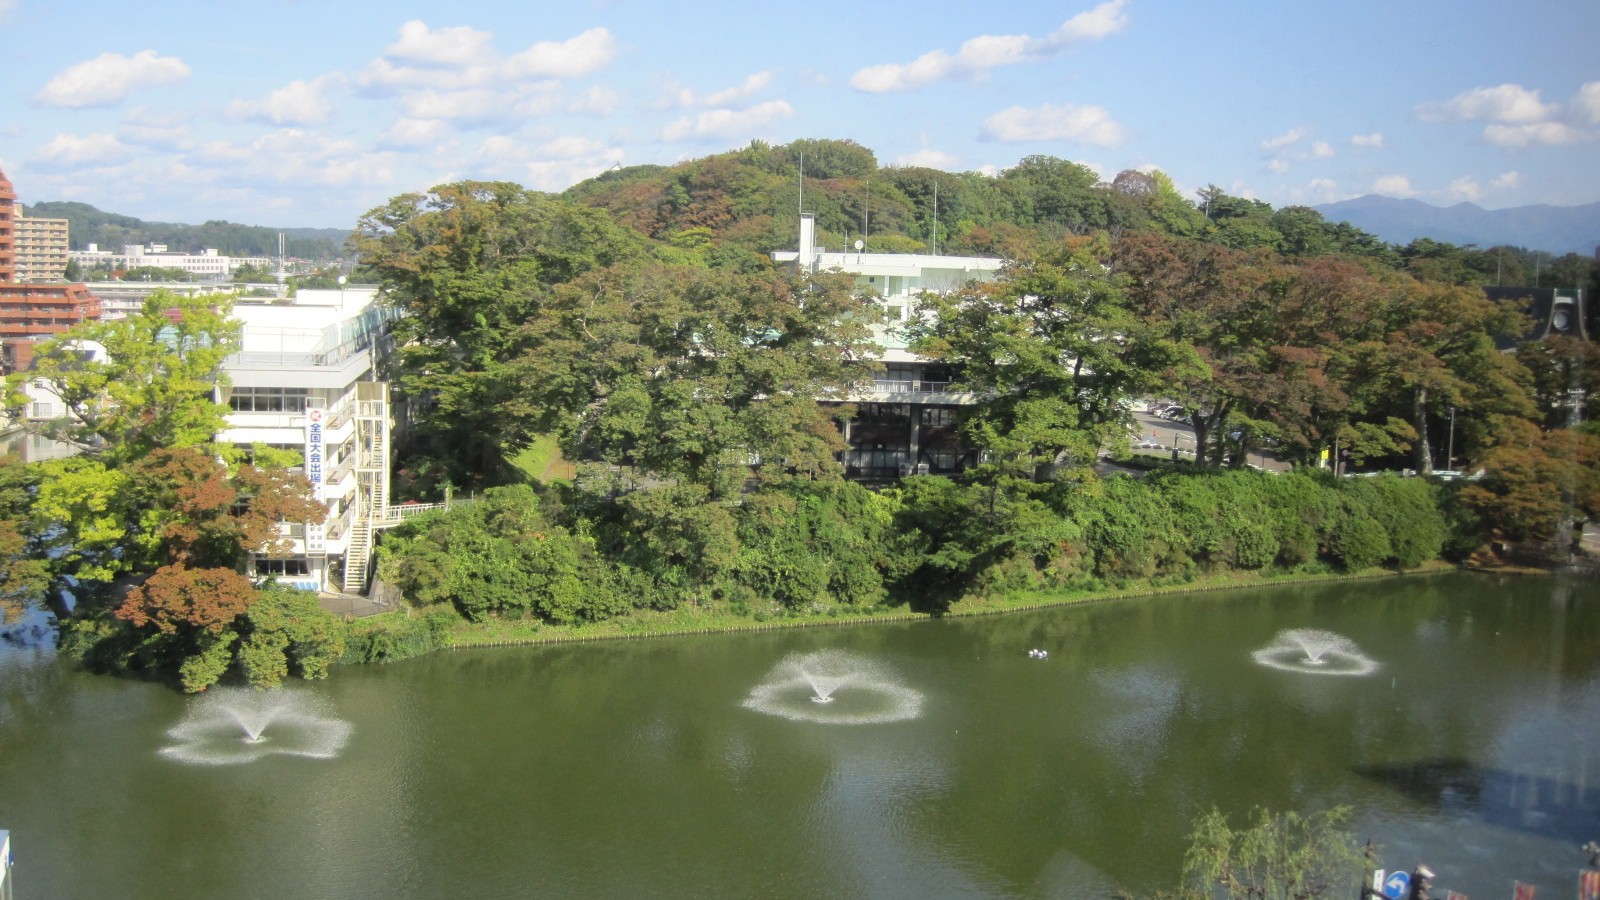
230,726
832,687
1314,651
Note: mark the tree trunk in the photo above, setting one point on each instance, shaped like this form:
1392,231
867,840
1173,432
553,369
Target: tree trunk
1202,431
1422,454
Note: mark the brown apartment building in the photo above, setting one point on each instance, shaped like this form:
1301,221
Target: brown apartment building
33,309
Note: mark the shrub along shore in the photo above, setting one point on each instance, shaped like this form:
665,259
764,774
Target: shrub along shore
564,562
467,636
524,565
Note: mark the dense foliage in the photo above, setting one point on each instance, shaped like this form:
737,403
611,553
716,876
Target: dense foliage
817,546
683,372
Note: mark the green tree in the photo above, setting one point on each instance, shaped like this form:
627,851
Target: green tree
24,575
286,630
692,374
131,385
1054,353
469,264
1279,856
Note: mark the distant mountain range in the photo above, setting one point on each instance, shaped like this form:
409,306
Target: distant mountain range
87,225
1554,229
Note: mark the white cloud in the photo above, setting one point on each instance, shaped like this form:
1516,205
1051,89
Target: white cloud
751,85
985,52
5,7
1068,122
143,127
579,55
1586,105
1372,141
1508,180
75,150
449,47
575,147
1465,188
109,77
383,77
1091,25
481,105
294,156
409,133
1507,104
727,123
1321,150
1278,166
1326,189
929,158
296,103
1287,139
1394,186
1317,190
553,166
595,101
1530,134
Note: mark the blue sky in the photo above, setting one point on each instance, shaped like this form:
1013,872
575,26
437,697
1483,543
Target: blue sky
308,114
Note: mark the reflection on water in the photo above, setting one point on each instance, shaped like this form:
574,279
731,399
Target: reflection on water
1540,804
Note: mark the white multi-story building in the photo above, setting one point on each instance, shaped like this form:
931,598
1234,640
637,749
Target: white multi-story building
905,421
305,379
207,264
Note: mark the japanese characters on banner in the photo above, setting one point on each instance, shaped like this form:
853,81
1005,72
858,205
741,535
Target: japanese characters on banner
316,419
1589,885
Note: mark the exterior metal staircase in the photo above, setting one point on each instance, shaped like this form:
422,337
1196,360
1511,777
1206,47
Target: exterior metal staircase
372,481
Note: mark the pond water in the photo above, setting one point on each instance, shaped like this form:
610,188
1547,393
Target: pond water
1458,714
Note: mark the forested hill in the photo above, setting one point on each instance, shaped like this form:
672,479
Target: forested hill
88,225
732,209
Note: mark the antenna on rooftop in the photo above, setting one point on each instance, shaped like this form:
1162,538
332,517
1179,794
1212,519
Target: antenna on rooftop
802,209
936,218
866,212
283,273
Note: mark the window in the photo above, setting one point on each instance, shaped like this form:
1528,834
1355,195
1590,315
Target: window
268,399
939,416
886,413
44,410
282,567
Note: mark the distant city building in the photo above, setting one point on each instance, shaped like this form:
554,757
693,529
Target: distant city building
41,249
206,264
28,309
905,421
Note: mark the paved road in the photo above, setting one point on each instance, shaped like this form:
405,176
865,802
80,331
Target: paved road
1180,436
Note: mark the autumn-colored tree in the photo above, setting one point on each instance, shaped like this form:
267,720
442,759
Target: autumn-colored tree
1535,483
1566,379
177,599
